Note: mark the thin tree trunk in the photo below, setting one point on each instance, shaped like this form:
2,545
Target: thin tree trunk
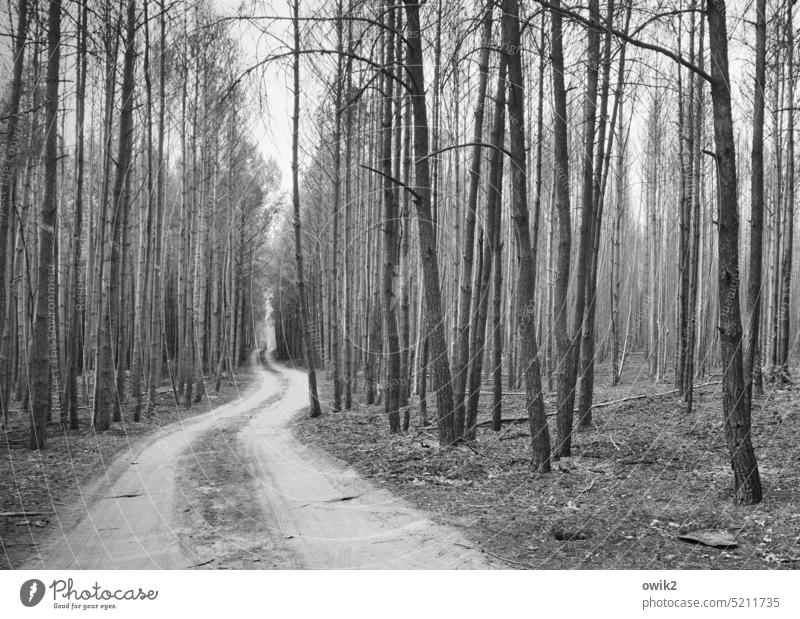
564,369
6,183
756,205
45,291
106,395
492,230
786,267
337,182
404,119
145,234
427,238
614,277
497,324
465,296
390,246
686,156
540,435
601,167
76,310
694,292
735,406
349,269
652,193
156,298
314,409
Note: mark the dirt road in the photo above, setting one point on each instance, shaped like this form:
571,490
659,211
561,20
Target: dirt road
320,513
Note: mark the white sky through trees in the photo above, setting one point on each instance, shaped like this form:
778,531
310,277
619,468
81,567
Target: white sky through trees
268,87
271,117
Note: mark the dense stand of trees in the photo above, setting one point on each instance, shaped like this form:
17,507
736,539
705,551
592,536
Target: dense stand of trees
483,190
526,189
134,204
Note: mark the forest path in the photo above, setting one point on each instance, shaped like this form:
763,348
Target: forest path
326,515
320,513
125,519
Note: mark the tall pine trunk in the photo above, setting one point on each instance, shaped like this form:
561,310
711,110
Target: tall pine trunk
314,410
156,296
46,292
7,177
564,371
468,243
483,276
534,402
735,406
390,246
427,236
76,310
786,267
756,206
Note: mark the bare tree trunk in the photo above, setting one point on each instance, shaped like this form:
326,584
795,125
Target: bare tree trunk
6,182
427,237
497,324
586,238
314,409
735,405
786,267
756,206
777,120
694,291
76,310
180,347
565,382
45,291
349,270
540,435
156,297
123,298
601,167
616,242
118,236
390,246
537,216
653,252
468,243
104,359
404,119
200,277
145,233
492,230
686,157
192,212
337,182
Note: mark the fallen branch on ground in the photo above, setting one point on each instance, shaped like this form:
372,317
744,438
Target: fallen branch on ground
499,557
641,396
23,514
513,436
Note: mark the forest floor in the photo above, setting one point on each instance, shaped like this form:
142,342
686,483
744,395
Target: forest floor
645,474
234,489
36,486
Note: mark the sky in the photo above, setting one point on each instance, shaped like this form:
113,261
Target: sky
271,105
272,124
271,86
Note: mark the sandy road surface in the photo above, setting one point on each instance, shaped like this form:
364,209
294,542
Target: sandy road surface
126,518
321,513
328,515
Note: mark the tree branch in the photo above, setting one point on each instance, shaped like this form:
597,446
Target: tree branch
587,21
394,180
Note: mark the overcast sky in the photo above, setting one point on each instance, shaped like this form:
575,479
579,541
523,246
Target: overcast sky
270,87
